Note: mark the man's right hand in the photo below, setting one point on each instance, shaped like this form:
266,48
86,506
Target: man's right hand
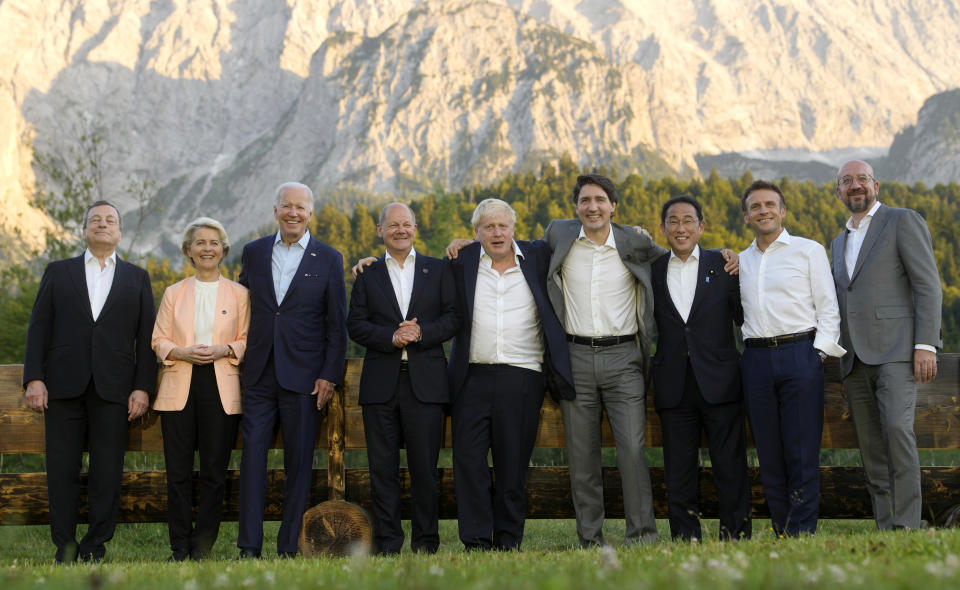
36,396
453,250
358,267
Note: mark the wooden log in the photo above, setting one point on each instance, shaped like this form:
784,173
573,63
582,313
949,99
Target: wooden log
843,494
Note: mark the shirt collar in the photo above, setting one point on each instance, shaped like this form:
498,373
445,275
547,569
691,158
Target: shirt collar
867,217
87,257
610,241
783,238
303,241
412,254
517,254
695,254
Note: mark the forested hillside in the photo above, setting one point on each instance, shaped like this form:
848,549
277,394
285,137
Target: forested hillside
813,211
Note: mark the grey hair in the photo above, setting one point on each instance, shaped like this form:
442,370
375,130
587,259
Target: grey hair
488,207
209,223
86,214
383,212
295,185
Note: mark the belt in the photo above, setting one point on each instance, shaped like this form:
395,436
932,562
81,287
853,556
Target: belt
601,341
403,366
775,341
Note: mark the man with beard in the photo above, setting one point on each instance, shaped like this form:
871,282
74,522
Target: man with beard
890,299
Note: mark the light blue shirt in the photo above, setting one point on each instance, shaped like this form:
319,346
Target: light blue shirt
286,260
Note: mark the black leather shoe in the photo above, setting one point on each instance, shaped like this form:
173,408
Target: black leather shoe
248,554
287,554
177,556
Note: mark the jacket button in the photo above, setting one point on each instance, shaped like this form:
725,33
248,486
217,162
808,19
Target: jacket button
278,313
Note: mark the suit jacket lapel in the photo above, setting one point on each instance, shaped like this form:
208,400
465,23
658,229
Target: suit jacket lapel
382,277
530,274
564,243
702,286
659,271
309,255
838,259
879,220
267,262
420,276
79,277
471,266
119,274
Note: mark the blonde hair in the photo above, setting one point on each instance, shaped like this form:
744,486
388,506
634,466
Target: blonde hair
198,223
491,206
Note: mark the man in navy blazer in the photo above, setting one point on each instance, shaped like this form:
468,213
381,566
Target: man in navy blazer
510,345
296,348
696,374
89,368
402,309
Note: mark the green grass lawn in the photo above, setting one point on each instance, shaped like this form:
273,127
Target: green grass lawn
844,554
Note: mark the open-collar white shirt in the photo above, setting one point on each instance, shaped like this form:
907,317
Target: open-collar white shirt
98,280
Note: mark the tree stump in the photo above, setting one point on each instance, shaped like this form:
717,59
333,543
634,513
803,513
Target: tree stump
335,528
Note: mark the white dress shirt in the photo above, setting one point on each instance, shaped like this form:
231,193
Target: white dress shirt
682,281
98,280
285,261
506,325
402,281
855,237
204,310
789,288
599,292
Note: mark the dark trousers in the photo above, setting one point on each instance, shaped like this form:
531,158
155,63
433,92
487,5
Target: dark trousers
726,436
783,387
201,426
497,410
404,420
103,425
263,405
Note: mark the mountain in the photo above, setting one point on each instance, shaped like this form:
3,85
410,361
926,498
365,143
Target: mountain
220,101
929,151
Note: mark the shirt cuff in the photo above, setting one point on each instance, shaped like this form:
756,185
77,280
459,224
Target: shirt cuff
828,346
926,347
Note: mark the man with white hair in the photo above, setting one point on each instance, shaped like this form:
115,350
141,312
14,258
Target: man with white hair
296,347
509,346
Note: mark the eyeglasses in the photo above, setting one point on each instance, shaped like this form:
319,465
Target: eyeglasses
687,222
861,179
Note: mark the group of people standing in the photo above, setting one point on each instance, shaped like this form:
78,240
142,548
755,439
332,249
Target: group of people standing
572,313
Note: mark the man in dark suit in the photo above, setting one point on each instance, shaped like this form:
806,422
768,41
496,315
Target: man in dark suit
510,345
295,351
890,299
402,309
90,369
696,374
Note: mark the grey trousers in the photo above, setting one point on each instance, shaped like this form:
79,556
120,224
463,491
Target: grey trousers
883,399
609,378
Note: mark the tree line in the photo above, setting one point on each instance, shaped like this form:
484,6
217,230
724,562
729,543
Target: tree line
813,211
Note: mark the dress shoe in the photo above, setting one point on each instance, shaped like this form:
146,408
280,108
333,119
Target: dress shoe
287,554
67,554
178,555
248,554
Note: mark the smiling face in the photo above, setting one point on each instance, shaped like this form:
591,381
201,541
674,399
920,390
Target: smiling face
594,209
857,187
398,231
102,228
682,229
764,213
495,234
292,211
205,249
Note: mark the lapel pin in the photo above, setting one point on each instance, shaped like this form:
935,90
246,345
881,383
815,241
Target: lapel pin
223,311
313,254
426,271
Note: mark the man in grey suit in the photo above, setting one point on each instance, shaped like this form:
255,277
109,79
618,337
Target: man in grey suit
599,285
890,301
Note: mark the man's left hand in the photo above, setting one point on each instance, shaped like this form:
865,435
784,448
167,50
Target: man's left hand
733,261
924,365
137,404
323,389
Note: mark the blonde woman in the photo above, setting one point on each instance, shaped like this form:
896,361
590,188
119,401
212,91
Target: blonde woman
200,337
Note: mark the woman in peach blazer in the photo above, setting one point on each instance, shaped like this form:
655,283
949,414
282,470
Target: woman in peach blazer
200,337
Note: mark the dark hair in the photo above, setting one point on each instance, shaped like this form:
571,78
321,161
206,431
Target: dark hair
86,214
598,179
681,199
758,185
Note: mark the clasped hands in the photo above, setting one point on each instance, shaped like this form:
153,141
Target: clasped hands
200,354
409,331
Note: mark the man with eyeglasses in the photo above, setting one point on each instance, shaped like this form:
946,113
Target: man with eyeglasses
696,374
790,325
890,305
